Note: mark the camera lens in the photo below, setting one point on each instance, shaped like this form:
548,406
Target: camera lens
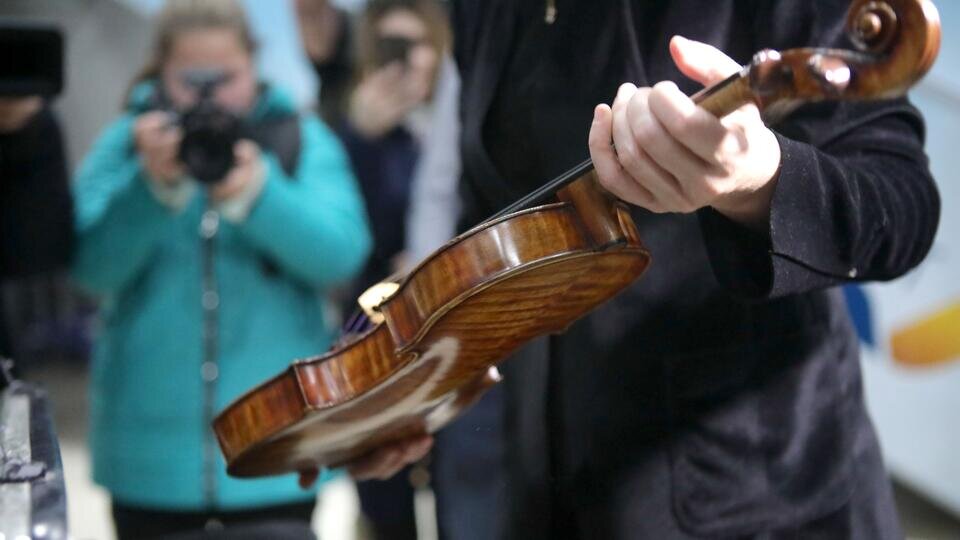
209,135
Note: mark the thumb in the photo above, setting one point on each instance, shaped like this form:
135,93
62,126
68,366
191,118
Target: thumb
701,62
245,151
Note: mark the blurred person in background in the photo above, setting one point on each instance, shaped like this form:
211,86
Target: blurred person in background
379,78
207,288
327,37
36,211
409,166
400,45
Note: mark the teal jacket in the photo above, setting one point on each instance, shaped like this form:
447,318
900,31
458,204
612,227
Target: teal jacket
148,426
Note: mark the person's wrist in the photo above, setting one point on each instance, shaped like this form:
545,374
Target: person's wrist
236,206
365,123
750,208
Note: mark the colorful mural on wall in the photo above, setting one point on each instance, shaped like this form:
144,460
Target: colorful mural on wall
930,340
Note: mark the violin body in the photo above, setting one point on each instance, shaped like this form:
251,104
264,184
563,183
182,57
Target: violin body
528,272
453,318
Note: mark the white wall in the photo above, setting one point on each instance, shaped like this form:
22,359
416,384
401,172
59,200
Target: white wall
917,410
106,44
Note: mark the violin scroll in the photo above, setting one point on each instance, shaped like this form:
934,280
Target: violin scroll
871,26
900,40
896,43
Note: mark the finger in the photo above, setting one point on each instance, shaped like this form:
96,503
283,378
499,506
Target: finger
148,120
410,90
413,95
632,119
307,477
388,76
625,146
412,451
389,466
370,465
163,151
665,151
417,449
607,165
701,62
154,121
701,133
246,151
153,134
385,462
171,135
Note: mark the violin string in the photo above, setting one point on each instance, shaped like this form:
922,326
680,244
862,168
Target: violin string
352,323
547,190
358,322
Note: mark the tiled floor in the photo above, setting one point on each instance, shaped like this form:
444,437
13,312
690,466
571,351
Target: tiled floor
336,519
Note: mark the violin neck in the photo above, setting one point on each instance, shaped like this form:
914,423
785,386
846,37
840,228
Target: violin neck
720,99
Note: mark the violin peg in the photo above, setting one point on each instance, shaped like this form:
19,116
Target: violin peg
832,73
769,75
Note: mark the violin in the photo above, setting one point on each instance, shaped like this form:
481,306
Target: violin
433,337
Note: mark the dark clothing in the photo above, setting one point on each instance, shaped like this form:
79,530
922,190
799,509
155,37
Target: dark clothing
336,75
466,463
389,507
281,521
720,395
36,210
384,168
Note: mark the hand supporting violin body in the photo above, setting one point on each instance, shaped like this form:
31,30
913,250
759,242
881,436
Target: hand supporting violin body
669,155
382,463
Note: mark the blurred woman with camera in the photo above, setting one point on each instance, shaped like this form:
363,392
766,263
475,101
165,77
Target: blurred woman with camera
207,288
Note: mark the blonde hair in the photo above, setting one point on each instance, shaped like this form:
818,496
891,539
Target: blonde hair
181,16
433,15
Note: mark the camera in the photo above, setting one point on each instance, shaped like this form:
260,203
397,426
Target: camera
393,49
31,62
209,131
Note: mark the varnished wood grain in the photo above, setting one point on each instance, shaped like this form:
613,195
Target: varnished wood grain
463,310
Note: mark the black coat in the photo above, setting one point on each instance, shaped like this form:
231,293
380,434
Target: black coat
36,209
720,396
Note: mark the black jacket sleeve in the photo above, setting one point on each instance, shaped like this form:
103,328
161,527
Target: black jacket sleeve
854,199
